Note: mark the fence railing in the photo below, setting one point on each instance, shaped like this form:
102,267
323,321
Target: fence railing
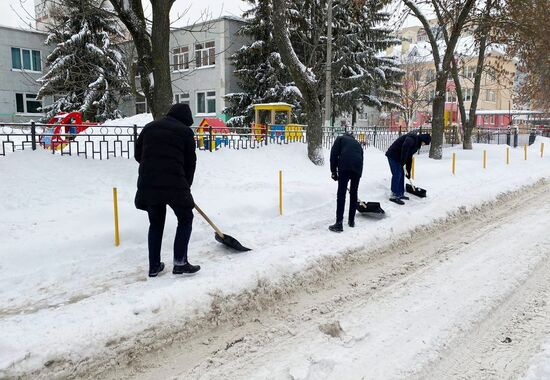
103,142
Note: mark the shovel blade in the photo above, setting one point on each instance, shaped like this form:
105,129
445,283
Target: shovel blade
231,242
419,192
369,207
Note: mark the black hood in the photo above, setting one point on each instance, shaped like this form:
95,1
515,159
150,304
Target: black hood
181,112
425,138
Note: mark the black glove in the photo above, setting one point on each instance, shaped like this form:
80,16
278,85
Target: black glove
334,176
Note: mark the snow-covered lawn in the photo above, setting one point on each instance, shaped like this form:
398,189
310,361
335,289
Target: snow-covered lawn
67,294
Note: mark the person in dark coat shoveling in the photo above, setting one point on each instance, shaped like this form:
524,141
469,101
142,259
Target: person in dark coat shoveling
400,155
165,151
346,165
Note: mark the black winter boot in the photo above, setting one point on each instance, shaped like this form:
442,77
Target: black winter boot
351,223
336,227
186,269
153,272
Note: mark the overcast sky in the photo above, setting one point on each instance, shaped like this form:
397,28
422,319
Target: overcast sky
16,12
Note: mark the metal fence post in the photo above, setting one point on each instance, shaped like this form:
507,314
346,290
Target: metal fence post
374,138
135,135
33,135
211,143
515,138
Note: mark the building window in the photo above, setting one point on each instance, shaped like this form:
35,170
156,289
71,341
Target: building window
182,98
206,102
490,96
27,103
421,35
450,97
469,71
25,59
141,104
181,58
430,75
205,54
468,94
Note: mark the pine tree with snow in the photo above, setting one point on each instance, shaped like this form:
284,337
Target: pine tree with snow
363,75
360,74
86,70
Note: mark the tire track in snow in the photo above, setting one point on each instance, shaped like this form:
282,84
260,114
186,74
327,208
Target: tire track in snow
501,346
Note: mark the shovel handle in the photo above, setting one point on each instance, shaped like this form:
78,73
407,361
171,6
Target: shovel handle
412,185
220,234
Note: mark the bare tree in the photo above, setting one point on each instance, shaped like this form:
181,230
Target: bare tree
305,81
483,24
415,90
152,48
451,17
525,28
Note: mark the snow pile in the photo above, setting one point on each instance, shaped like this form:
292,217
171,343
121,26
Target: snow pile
140,120
540,365
67,294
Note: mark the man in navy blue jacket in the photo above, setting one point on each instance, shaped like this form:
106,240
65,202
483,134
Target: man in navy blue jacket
346,165
400,155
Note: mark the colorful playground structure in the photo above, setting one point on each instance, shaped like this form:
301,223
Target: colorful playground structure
275,120
212,133
62,129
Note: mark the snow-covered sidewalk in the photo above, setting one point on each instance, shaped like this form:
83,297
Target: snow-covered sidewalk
68,296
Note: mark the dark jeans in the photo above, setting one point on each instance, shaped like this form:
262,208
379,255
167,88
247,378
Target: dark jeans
343,178
157,217
398,178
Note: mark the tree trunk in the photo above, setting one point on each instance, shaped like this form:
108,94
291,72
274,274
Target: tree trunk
160,39
468,129
152,51
460,98
438,118
305,81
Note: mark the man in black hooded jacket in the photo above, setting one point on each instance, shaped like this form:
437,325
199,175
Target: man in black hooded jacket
346,165
165,151
400,155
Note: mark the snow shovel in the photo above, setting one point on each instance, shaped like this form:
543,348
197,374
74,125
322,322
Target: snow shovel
370,208
421,193
220,236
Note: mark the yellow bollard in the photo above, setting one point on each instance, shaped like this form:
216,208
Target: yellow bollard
115,205
541,150
525,152
412,169
508,155
454,163
280,192
484,159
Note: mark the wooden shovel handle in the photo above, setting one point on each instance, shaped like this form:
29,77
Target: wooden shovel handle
209,221
411,182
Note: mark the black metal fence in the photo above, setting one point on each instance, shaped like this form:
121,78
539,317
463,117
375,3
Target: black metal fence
510,136
103,142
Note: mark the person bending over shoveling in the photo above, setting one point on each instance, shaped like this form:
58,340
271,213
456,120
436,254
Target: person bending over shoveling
165,151
400,155
346,165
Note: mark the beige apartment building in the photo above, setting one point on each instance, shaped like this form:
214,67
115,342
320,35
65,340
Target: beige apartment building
495,98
